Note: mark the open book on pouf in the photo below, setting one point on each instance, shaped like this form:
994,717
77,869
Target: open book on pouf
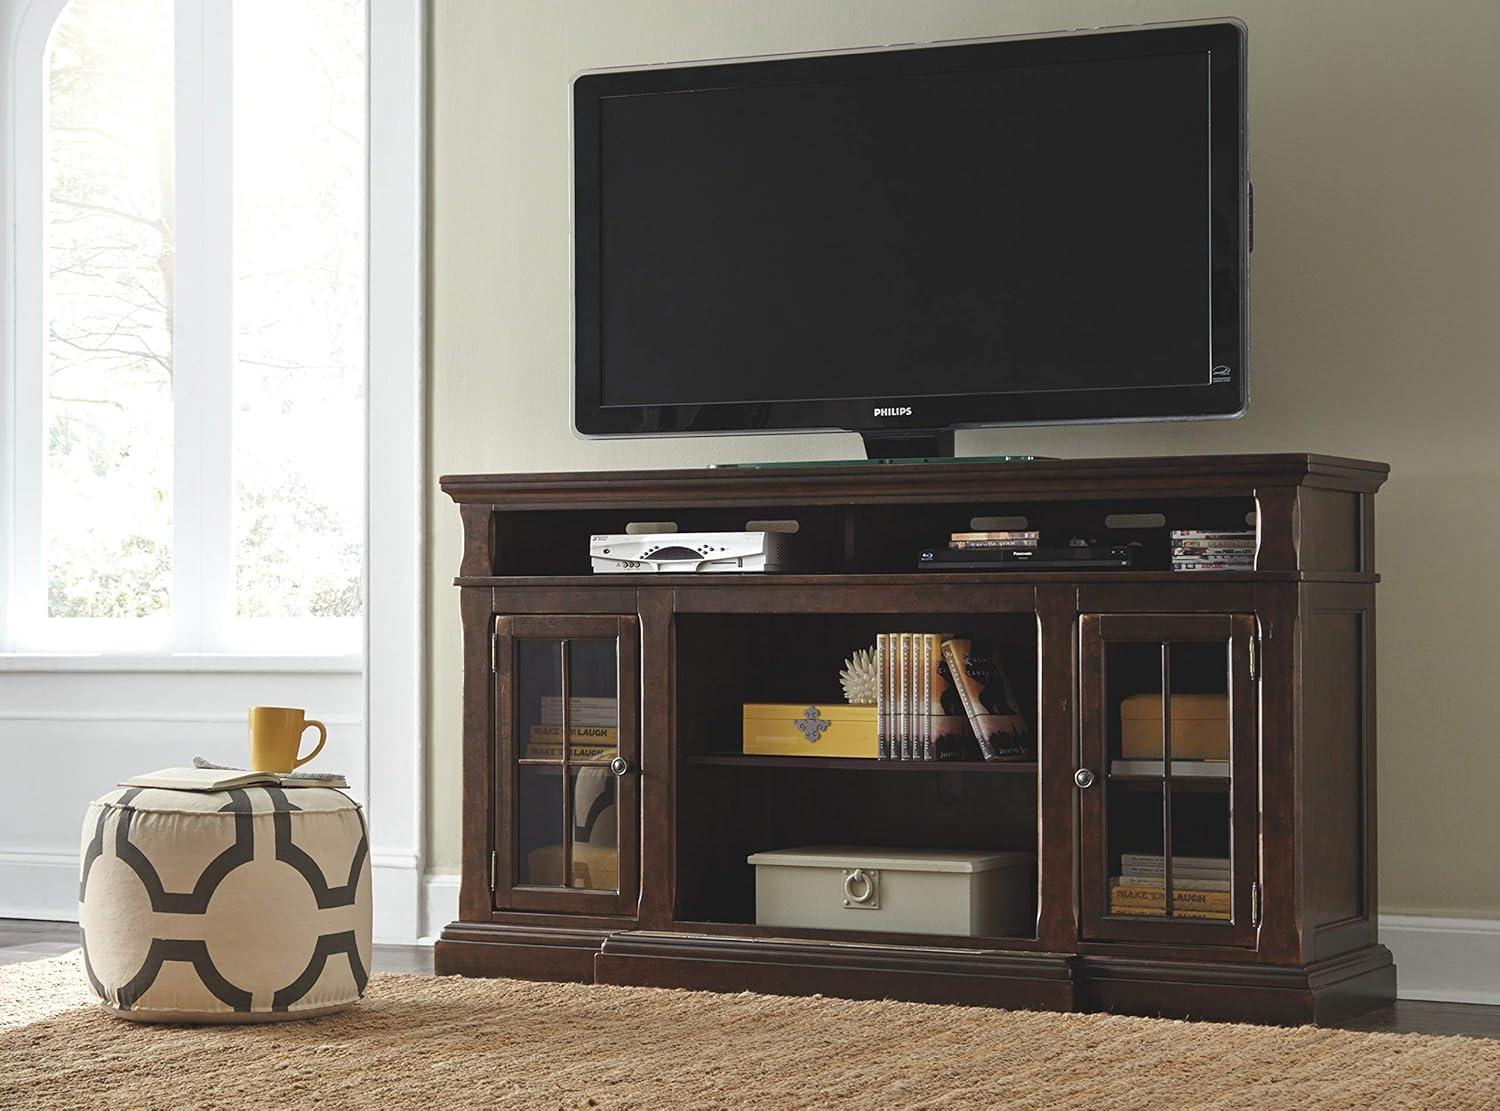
224,779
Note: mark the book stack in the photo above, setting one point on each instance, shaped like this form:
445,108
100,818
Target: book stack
994,538
941,697
1200,886
593,729
1209,550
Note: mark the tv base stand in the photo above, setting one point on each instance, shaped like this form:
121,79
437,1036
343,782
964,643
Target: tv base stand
608,806
890,443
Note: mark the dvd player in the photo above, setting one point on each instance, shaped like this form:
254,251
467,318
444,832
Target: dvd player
1027,559
655,553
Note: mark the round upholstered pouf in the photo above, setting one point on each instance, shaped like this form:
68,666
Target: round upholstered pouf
232,906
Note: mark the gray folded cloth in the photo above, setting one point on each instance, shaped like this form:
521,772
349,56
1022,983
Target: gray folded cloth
316,777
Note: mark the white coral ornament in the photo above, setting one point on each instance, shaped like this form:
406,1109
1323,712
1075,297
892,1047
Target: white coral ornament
860,677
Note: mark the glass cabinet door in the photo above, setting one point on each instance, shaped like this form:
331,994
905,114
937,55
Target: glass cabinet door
567,747
1167,784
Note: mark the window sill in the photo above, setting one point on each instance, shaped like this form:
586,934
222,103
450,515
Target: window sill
11,662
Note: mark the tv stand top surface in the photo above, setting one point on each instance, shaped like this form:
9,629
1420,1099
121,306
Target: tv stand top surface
1311,513
1022,479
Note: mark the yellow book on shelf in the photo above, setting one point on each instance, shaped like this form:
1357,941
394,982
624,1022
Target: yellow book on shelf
1149,902
1156,897
1137,910
587,734
599,754
585,742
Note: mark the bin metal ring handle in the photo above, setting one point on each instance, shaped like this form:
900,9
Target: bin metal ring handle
859,888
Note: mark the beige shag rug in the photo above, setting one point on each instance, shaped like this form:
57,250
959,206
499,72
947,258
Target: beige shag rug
422,1042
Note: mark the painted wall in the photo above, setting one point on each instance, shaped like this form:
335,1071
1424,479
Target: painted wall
1376,290
70,731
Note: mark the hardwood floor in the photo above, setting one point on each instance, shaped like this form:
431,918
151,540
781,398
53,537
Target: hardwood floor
26,940
22,940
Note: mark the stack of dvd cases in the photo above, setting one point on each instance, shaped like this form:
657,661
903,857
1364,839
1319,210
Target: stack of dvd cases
994,540
1209,550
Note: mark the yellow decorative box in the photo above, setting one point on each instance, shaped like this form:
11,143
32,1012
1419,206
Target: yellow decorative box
801,729
1200,727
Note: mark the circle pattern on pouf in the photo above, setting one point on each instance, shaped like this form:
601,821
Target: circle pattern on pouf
225,906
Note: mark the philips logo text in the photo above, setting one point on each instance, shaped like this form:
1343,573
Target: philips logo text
894,411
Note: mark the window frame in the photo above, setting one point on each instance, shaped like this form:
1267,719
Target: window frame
202,622
392,658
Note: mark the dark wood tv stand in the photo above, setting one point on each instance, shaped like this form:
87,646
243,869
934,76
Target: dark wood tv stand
637,875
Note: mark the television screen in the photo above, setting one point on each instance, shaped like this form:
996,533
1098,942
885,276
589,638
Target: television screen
1031,230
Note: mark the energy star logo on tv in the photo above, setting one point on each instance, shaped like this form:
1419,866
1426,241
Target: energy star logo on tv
893,411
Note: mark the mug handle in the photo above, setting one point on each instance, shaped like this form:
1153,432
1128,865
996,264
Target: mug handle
322,740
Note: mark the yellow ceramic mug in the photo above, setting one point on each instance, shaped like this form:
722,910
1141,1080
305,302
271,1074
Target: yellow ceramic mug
276,735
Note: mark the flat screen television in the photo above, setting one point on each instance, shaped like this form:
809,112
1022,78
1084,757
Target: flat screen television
904,241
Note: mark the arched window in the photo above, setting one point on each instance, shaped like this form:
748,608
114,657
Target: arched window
189,366
194,212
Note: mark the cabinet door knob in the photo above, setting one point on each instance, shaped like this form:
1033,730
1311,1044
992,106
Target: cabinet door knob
619,765
1084,778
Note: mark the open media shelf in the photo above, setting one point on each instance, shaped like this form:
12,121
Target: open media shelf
1198,816
857,764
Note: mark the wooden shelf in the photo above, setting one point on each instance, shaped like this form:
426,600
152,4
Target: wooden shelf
906,578
843,763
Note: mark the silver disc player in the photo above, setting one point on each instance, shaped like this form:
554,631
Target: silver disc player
673,553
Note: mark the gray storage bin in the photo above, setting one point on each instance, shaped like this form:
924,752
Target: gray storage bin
917,891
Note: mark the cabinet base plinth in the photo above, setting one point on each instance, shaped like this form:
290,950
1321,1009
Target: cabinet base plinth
1327,991
518,952
985,978
1324,992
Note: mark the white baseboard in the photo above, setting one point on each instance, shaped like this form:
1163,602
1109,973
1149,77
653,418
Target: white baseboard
44,886
396,887
1452,960
40,885
439,903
